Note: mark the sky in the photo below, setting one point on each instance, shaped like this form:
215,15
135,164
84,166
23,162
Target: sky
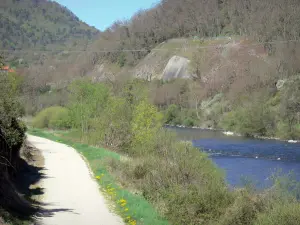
102,13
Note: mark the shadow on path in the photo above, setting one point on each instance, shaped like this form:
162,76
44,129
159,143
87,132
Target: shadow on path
26,182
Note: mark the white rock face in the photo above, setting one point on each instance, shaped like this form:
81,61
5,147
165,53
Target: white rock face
177,67
280,84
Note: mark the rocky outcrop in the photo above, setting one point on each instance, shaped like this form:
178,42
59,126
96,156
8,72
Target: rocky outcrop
280,84
177,67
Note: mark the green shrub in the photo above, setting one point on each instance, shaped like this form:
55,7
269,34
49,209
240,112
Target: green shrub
183,183
243,211
229,121
251,119
279,214
146,123
172,115
188,122
52,117
274,101
190,186
113,127
12,136
87,102
283,130
60,118
297,131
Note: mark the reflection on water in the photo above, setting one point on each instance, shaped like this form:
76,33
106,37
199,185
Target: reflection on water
245,157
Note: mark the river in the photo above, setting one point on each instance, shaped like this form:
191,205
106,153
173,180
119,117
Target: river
244,158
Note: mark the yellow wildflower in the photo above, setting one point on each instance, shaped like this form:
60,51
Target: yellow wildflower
98,177
132,222
122,201
126,209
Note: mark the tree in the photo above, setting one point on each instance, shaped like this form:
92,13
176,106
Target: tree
87,101
196,95
146,123
112,127
290,105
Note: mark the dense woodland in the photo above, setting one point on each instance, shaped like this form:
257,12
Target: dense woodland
28,28
262,21
40,24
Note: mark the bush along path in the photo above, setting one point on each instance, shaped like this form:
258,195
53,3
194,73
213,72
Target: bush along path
134,209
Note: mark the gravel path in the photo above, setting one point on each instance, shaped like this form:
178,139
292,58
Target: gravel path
70,192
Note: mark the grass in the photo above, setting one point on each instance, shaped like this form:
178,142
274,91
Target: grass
134,209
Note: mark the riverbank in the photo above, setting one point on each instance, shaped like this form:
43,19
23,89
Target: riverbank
113,173
230,133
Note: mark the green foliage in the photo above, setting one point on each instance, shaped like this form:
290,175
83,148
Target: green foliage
172,115
281,202
189,122
87,101
243,211
135,91
122,60
181,181
254,118
43,24
283,130
60,119
290,108
146,123
54,117
274,101
288,214
112,128
229,121
12,136
11,110
44,89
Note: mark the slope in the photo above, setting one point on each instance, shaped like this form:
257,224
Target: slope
41,24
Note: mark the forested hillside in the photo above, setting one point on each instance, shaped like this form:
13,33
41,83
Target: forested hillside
233,49
41,24
259,20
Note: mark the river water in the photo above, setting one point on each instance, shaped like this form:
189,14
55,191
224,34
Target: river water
244,158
